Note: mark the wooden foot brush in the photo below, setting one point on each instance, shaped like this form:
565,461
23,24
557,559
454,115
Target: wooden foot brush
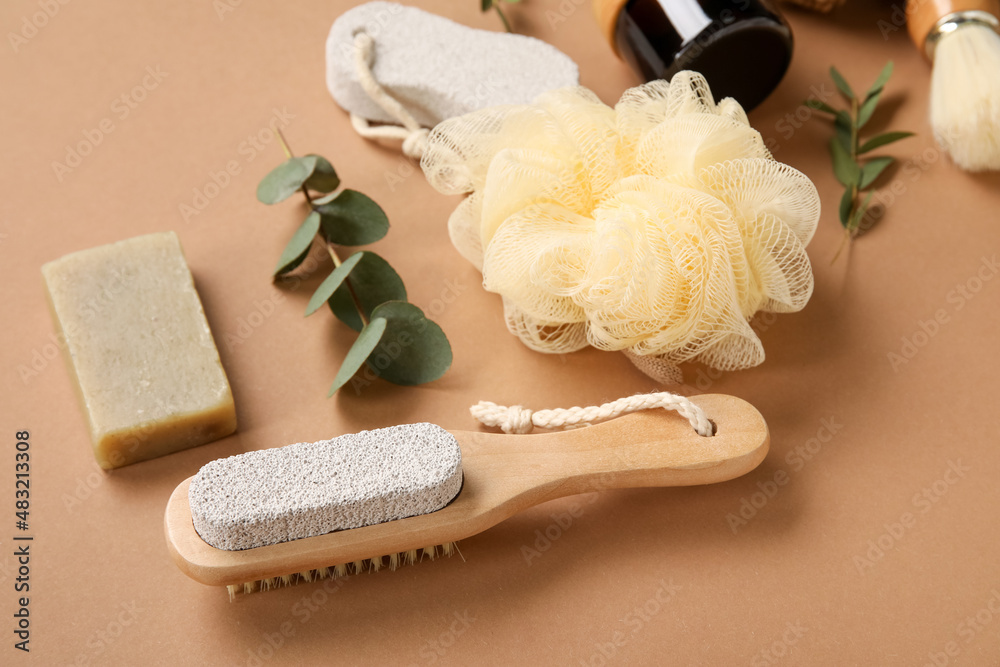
447,485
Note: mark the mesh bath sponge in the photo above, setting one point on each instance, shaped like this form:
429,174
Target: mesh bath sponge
657,228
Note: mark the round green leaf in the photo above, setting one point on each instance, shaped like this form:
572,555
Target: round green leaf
374,283
294,252
332,282
324,177
291,266
325,199
358,353
282,182
352,218
413,349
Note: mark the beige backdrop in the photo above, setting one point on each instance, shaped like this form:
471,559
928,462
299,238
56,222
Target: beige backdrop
880,546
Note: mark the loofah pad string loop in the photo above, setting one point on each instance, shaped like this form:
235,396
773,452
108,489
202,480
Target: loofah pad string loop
413,135
518,419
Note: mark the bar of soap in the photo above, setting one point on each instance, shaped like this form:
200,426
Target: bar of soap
146,367
313,488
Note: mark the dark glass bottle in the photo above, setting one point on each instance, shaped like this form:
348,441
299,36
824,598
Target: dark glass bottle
742,47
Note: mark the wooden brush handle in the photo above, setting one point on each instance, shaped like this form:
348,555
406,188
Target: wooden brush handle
503,475
649,448
923,14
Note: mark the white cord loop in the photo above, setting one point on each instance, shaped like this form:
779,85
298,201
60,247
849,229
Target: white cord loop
412,134
518,419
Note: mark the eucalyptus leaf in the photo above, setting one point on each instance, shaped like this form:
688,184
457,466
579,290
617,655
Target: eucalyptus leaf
332,282
883,78
325,199
353,219
842,127
374,282
282,181
841,83
882,140
867,109
413,349
324,177
299,244
846,202
359,352
820,106
844,166
860,214
873,169
294,264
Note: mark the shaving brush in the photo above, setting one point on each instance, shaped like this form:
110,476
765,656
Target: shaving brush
960,38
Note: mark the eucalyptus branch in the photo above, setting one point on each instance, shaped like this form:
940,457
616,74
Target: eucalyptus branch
330,247
846,148
395,340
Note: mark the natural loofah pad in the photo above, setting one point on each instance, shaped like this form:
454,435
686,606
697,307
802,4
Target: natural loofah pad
437,68
658,227
313,488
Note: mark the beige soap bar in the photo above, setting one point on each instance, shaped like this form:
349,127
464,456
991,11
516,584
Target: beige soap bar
146,366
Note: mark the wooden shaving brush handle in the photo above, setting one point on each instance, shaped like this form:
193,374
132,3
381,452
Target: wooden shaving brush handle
924,14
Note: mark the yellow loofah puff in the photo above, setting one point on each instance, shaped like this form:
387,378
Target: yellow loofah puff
658,228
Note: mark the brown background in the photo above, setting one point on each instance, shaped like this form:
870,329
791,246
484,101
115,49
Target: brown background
793,585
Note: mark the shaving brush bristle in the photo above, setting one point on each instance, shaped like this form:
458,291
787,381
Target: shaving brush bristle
965,96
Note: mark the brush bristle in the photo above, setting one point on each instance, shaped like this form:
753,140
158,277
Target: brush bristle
373,564
965,96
